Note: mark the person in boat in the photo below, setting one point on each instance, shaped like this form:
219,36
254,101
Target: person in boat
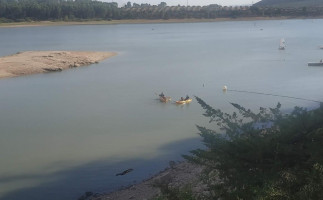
182,99
187,97
162,95
321,61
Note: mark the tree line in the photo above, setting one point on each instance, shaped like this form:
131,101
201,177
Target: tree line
73,10
21,10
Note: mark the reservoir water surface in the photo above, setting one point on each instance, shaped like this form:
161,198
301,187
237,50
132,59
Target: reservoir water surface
66,133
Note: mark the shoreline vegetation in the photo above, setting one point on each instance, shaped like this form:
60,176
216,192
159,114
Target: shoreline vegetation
140,21
61,12
34,62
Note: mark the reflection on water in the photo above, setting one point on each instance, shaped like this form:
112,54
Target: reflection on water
94,176
66,133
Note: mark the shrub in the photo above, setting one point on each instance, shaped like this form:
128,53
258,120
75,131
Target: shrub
264,155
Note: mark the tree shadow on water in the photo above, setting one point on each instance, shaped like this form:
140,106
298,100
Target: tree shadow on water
98,176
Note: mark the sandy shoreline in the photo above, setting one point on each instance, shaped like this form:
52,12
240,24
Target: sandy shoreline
137,21
34,62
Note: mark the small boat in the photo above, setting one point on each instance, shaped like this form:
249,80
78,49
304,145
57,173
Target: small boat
282,44
165,99
315,64
184,101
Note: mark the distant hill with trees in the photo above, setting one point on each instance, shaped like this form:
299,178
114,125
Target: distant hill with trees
289,3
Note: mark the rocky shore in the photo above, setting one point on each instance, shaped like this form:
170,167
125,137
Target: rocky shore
176,176
33,62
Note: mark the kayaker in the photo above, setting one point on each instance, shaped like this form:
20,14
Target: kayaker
182,99
162,95
187,97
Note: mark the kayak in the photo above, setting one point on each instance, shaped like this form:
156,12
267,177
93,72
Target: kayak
164,99
184,102
315,64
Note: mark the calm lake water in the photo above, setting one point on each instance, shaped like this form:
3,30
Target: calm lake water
66,133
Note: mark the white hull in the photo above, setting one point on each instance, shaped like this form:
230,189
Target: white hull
282,44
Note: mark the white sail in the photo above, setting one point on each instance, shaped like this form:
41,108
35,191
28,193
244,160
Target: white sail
282,44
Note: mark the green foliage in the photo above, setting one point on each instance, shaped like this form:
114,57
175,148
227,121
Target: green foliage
78,10
56,10
264,155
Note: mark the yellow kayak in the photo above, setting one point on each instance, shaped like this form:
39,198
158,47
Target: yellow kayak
164,99
184,101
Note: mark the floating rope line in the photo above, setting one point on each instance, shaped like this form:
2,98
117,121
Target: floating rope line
275,95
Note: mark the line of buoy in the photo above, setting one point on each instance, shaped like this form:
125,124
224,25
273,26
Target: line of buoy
268,94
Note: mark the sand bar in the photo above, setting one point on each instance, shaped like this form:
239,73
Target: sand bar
33,62
135,21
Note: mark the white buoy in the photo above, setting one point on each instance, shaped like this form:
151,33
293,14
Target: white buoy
225,88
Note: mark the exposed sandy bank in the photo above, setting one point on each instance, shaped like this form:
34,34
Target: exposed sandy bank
140,21
178,175
33,62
